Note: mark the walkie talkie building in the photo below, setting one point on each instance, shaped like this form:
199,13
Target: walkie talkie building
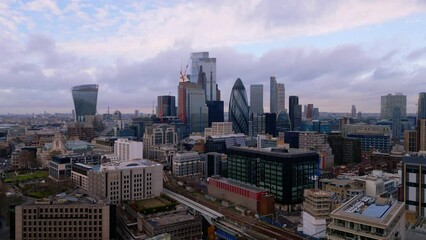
85,99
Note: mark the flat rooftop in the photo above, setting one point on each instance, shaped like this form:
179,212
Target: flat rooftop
245,186
170,218
137,163
279,152
374,211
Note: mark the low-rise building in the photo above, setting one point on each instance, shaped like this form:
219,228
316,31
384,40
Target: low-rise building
128,180
365,217
343,187
187,164
256,199
79,173
65,217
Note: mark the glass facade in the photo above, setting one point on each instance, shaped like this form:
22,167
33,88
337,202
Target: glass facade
283,122
284,174
238,108
85,99
256,98
166,106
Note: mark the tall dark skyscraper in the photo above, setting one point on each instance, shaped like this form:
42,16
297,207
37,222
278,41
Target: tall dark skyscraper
216,113
353,111
295,112
238,108
256,98
310,111
85,100
166,106
421,111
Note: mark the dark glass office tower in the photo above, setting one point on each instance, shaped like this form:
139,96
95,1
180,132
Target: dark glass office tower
238,108
295,112
283,122
166,106
85,99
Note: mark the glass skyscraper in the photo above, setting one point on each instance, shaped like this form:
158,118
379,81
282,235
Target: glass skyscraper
277,96
166,106
238,108
85,99
283,122
203,71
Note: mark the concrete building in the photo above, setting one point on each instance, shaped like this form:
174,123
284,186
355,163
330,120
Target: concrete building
157,135
219,129
390,102
379,183
345,150
284,172
126,150
317,142
221,143
256,98
365,217
187,164
257,200
65,217
130,180
79,174
344,188
277,96
317,207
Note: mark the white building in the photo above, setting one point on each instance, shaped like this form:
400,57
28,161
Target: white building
379,183
126,150
127,180
79,175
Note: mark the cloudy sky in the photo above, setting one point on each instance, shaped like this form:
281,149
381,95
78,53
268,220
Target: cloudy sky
331,53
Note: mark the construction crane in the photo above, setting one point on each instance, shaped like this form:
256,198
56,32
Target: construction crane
183,76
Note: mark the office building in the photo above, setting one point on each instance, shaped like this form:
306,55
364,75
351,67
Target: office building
345,150
353,111
166,106
130,180
219,129
317,142
277,96
396,124
410,140
309,113
283,123
283,172
413,187
156,136
344,188
379,183
373,137
295,112
126,150
389,102
256,98
257,200
238,108
366,217
187,164
215,112
60,168
85,99
215,164
203,71
421,106
79,177
192,107
65,217
221,143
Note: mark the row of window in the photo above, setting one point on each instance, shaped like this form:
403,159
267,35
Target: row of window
60,210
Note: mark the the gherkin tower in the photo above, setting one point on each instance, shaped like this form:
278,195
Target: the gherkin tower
239,108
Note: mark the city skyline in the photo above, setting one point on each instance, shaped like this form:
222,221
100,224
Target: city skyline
333,55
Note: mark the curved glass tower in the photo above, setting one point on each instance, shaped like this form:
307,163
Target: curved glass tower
283,122
238,108
85,99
